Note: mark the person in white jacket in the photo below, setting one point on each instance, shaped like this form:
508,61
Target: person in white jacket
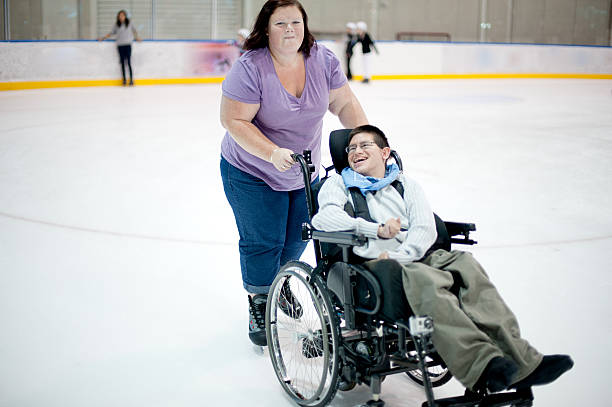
476,334
366,49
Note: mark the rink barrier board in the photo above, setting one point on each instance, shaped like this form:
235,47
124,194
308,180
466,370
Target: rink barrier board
4,86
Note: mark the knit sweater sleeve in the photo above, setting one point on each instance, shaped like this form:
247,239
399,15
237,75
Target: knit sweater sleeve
421,232
331,216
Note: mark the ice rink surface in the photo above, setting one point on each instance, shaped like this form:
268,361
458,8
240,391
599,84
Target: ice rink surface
119,276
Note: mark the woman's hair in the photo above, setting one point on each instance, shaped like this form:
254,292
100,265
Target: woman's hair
127,20
379,137
259,38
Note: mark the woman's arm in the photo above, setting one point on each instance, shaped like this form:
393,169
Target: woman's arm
372,44
112,32
236,118
375,49
135,33
344,104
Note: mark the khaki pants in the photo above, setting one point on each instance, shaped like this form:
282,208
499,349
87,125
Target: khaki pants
473,328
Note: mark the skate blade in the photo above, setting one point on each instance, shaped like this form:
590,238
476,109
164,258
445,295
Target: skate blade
259,350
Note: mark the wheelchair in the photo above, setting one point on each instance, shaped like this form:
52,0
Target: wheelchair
339,337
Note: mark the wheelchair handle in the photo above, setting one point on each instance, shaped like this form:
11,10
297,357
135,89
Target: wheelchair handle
305,162
307,157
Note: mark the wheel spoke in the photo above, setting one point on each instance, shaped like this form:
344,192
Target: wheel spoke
438,374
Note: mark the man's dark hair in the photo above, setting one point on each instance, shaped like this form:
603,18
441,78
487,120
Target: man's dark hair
127,20
379,137
259,38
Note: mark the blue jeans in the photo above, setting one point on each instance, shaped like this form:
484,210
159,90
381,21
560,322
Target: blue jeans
269,223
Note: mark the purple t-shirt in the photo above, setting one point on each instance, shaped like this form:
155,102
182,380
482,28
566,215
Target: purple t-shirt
288,121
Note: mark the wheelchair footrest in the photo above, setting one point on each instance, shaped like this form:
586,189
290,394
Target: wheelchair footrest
518,398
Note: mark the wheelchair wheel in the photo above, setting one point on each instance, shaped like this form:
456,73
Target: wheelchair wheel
438,374
303,348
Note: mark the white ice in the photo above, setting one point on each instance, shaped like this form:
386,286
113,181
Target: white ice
119,274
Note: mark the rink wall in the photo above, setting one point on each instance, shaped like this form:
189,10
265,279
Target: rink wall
44,64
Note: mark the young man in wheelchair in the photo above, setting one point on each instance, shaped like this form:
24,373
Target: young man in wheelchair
476,334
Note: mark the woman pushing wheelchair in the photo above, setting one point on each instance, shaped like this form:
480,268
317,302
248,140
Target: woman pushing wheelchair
476,334
274,100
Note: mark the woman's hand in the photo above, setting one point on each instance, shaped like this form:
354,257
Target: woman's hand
391,228
281,159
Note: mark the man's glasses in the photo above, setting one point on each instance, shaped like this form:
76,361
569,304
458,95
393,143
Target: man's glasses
364,146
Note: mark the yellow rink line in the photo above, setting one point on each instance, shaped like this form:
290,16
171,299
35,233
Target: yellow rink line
495,76
103,82
176,81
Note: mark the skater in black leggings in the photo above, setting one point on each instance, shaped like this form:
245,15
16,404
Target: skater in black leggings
125,34
125,57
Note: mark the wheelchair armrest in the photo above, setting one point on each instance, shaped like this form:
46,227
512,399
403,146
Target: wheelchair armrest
460,229
339,238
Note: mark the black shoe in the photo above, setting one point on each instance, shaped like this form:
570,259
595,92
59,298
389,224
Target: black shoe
549,370
124,83
344,385
257,319
131,82
288,303
498,375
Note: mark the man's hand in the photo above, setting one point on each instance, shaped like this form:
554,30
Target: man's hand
383,256
390,228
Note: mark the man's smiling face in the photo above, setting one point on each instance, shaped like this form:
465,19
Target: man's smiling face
365,157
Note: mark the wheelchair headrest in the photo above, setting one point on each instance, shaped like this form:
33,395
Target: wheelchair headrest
338,140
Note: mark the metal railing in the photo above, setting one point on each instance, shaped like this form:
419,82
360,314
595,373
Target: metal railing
422,36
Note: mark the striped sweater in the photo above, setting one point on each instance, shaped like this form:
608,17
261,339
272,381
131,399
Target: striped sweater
413,210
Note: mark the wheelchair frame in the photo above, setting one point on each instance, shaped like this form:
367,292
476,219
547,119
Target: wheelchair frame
344,344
